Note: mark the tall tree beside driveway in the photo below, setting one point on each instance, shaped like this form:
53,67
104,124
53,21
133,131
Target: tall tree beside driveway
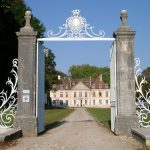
11,20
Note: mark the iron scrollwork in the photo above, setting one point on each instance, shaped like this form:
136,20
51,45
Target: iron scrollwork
76,26
8,99
142,97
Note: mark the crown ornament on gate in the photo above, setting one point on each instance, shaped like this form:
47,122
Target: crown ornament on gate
76,26
76,12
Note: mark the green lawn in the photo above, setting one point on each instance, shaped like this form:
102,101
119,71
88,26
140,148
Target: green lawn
53,116
102,115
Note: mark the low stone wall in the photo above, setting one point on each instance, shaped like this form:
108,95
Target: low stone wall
142,135
10,134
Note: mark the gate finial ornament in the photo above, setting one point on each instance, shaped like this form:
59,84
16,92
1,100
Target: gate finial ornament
124,16
76,12
28,18
76,26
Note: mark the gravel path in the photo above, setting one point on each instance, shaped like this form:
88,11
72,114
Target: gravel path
79,131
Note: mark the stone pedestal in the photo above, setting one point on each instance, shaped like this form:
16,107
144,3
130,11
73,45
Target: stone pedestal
28,125
124,124
26,106
125,80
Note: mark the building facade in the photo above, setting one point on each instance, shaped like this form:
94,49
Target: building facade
92,92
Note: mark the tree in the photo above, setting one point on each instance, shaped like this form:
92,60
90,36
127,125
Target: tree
51,74
11,20
85,71
146,74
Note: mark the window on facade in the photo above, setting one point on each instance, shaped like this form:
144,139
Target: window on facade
80,94
61,94
93,94
100,94
54,102
85,94
74,102
100,102
54,95
85,102
66,87
61,102
67,102
75,94
66,94
106,101
89,102
93,102
106,93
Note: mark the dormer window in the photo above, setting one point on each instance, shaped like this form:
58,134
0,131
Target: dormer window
66,87
61,87
93,86
100,86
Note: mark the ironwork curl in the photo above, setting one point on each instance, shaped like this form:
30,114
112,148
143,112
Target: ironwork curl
8,99
142,97
76,26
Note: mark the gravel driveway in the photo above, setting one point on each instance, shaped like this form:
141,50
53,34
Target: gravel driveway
79,131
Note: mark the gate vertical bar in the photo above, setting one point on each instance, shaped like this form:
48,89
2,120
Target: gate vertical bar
40,87
26,116
126,110
113,95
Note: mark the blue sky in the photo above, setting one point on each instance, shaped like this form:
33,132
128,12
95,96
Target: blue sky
102,15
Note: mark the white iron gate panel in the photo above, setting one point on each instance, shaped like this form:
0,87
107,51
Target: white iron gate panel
40,87
113,95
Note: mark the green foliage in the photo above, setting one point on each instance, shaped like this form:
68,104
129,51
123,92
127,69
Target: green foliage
11,20
85,71
102,115
146,74
51,75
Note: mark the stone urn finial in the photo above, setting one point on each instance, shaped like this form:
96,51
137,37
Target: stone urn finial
27,18
124,16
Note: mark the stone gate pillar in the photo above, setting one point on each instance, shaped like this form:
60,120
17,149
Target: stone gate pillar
26,107
126,116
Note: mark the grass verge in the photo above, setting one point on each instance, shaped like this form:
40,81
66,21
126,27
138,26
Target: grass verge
53,116
102,115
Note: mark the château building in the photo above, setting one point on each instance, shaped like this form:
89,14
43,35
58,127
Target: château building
92,92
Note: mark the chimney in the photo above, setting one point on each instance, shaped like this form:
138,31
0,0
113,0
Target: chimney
59,77
101,77
90,81
70,81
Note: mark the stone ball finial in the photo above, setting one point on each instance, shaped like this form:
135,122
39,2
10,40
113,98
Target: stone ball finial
124,12
124,16
28,18
28,13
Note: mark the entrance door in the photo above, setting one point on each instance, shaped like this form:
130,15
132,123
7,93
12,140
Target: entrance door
40,87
